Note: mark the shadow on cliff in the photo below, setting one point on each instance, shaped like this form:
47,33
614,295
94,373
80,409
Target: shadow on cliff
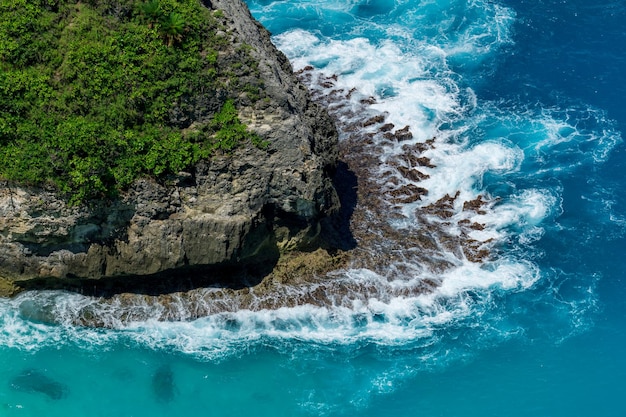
336,235
336,232
231,276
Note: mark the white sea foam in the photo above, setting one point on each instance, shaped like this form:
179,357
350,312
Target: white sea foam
413,84
401,83
411,77
461,169
408,92
388,321
554,140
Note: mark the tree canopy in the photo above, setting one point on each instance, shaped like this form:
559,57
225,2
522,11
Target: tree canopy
96,93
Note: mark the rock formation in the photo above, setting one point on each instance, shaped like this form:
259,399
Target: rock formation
241,207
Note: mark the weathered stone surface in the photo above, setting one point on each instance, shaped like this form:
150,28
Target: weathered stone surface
233,208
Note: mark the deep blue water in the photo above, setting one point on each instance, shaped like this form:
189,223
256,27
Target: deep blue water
526,100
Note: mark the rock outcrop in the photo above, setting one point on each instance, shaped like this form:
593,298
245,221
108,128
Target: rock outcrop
245,206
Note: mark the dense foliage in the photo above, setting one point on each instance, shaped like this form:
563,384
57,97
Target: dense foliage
96,93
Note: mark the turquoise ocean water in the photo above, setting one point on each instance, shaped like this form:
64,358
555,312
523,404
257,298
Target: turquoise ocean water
525,99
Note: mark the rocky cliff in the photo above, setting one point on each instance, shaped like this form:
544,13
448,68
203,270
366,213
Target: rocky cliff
240,207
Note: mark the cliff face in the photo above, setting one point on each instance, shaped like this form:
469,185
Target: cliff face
239,207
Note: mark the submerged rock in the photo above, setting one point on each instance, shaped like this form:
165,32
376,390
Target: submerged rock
35,381
163,386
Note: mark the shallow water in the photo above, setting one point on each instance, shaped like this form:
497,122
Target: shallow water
524,100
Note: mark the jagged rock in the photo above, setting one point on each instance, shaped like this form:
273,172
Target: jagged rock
403,134
374,120
234,208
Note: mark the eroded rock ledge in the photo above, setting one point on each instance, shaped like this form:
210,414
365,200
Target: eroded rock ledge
236,208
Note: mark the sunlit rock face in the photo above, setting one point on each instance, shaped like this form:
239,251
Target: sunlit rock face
244,206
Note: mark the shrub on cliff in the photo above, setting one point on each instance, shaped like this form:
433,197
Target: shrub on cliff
96,93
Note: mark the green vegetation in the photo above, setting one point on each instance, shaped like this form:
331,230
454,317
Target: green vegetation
96,93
